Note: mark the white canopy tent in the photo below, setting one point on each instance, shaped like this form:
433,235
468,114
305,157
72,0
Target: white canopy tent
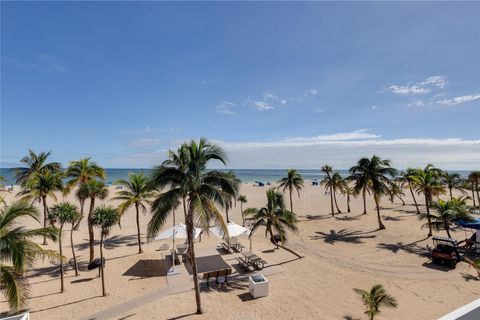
234,230
179,231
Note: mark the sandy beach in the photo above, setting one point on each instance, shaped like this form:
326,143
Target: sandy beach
340,254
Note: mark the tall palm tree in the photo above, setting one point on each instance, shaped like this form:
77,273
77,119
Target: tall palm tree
328,170
427,182
80,172
35,163
447,213
228,197
104,217
396,191
348,191
39,187
19,251
81,194
452,181
181,161
406,177
202,190
374,299
293,180
474,179
242,199
136,193
275,218
373,175
65,212
96,190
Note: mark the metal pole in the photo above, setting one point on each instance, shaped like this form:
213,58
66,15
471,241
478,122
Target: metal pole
173,252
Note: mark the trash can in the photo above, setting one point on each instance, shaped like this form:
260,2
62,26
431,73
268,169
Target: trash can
258,286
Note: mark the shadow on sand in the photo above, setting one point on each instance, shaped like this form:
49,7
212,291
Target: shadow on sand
412,248
146,269
343,235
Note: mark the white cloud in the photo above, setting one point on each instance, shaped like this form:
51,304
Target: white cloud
319,110
262,105
312,92
416,103
226,107
267,96
148,142
459,100
373,107
439,81
408,90
39,61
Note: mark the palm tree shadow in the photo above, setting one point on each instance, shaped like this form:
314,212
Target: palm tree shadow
389,218
342,235
350,318
467,277
348,218
183,316
412,248
65,304
309,217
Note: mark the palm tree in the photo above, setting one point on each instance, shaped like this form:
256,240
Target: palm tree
374,299
452,181
104,217
96,190
136,193
474,178
328,170
427,182
228,197
406,177
39,187
293,180
348,191
373,175
200,188
19,251
242,199
275,218
65,212
448,212
396,191
80,172
81,194
35,163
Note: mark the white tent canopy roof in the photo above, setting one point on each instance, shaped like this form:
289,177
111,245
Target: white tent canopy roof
180,232
234,230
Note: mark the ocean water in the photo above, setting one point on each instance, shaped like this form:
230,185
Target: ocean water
245,175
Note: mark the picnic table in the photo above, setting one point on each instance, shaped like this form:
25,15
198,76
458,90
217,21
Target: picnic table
251,258
213,266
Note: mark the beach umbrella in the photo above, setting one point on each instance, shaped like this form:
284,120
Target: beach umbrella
234,230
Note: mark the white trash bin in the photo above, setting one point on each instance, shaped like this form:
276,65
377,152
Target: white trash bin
258,286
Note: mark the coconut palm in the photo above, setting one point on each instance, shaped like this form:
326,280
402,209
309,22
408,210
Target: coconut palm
19,251
474,179
96,190
39,187
328,170
78,173
104,217
396,191
447,213
138,194
65,212
293,180
372,175
202,190
406,178
347,190
275,218
427,182
374,299
242,199
35,163
452,181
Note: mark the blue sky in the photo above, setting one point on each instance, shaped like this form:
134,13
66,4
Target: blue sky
277,84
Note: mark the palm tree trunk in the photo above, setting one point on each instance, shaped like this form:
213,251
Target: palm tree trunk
282,246
331,198
428,216
226,213
90,229
414,200
138,230
473,197
243,216
450,189
364,195
184,210
82,204
447,228
101,266
380,224
335,200
478,195
61,255
73,250
401,199
193,261
44,200
348,202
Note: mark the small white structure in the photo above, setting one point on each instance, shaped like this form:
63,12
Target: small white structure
258,286
22,316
